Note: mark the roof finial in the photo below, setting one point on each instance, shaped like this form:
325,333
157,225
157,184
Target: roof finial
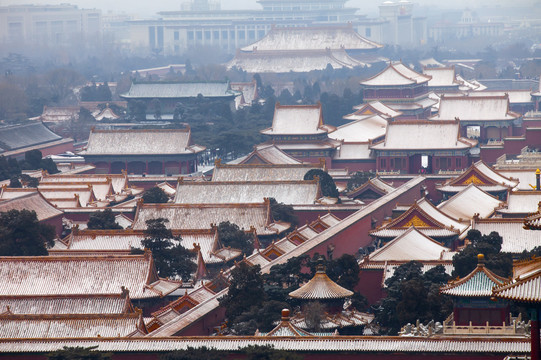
480,260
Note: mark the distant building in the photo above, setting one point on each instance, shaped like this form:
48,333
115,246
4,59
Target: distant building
169,94
168,151
15,140
304,49
48,25
202,24
468,26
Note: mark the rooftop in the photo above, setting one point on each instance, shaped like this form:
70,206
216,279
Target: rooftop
475,108
459,206
396,74
65,275
176,90
140,142
13,137
478,283
248,192
424,135
262,172
296,120
320,287
312,38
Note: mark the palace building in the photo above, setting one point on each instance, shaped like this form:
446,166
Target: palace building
167,151
299,130
414,147
400,88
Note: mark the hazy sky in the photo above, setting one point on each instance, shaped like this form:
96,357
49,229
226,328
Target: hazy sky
150,7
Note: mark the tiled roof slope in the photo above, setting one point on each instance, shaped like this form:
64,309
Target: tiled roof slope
441,76
478,283
396,74
240,192
202,216
483,176
179,90
516,239
14,137
262,172
312,38
346,344
424,135
521,202
475,108
362,130
411,245
296,120
64,275
32,201
71,326
297,61
522,289
66,304
460,205
375,107
320,287
269,154
140,142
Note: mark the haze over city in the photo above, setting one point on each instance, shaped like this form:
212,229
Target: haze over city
280,179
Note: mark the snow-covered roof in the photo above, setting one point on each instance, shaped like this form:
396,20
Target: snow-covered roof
460,205
373,107
175,90
516,239
426,218
411,245
343,344
66,304
478,283
140,142
483,176
312,38
475,108
297,61
71,326
525,288
521,202
515,96
441,76
396,74
320,287
66,275
269,154
13,137
354,150
262,172
202,216
32,201
244,192
424,135
296,120
363,130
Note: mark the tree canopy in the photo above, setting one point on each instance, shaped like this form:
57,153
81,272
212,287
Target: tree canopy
283,212
231,235
489,245
171,258
412,296
155,195
103,220
21,234
78,353
328,187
